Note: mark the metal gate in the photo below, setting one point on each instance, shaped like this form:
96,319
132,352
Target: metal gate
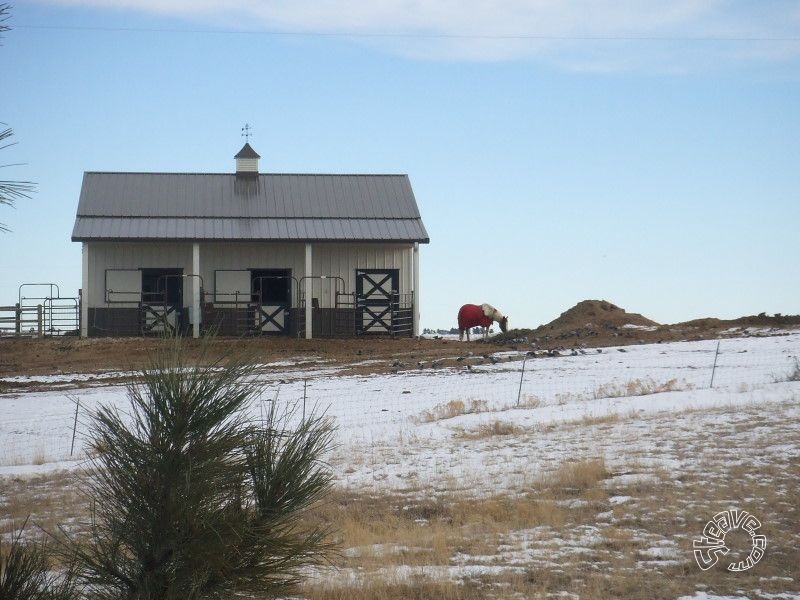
51,313
61,316
376,300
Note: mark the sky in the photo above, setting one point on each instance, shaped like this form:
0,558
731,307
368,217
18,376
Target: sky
641,152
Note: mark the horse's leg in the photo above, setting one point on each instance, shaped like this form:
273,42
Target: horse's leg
460,335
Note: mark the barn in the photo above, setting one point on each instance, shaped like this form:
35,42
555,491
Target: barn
248,253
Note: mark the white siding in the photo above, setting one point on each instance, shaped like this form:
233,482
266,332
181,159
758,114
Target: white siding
133,255
246,256
247,165
343,259
230,286
123,285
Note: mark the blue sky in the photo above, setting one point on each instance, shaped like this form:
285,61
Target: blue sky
558,151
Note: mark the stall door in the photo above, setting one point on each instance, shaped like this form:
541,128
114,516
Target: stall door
376,299
272,299
162,301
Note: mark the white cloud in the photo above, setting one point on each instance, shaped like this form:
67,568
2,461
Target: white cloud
572,34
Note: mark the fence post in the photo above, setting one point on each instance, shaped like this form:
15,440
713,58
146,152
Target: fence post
714,368
521,375
75,424
17,319
393,314
39,319
305,386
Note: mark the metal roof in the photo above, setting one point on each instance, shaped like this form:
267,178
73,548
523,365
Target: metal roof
199,206
247,152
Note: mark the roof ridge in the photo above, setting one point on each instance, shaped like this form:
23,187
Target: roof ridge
232,217
234,174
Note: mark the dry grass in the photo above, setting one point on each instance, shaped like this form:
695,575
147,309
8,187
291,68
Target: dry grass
12,455
577,531
39,457
794,371
455,408
576,477
49,500
639,387
403,546
572,533
378,589
451,409
495,428
589,420
529,401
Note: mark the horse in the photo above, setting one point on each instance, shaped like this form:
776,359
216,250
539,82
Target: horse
474,315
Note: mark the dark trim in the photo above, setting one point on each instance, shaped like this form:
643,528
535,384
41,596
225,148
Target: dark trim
229,322
265,240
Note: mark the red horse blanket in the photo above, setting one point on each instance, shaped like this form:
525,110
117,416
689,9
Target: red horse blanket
471,315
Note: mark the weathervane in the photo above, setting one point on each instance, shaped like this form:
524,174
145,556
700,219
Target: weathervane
246,132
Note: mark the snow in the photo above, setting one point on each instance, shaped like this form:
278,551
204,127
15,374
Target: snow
706,596
640,327
424,431
390,427
619,499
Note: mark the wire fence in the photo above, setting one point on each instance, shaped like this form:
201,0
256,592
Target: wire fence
381,418
359,404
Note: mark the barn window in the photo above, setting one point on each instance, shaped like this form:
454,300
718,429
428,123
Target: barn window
271,286
162,286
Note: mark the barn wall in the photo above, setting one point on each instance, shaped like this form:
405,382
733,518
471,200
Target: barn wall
344,259
330,259
333,260
246,256
134,255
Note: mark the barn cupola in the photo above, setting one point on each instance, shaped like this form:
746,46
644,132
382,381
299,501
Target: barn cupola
247,162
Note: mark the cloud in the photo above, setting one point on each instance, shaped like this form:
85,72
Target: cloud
578,34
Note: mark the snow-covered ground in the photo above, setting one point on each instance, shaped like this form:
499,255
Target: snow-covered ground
393,427
649,412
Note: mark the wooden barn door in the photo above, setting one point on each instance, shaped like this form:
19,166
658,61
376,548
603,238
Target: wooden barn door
376,299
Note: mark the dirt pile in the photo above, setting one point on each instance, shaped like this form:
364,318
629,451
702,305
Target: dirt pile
598,323
598,314
589,323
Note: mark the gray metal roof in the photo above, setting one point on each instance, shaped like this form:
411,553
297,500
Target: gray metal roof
199,206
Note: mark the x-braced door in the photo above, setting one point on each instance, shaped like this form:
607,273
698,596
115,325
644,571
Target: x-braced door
161,306
271,300
376,299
